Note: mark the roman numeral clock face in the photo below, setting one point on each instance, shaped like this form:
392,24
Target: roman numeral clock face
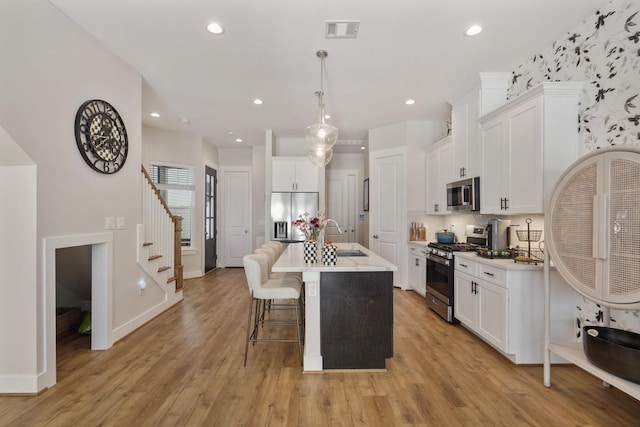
101,136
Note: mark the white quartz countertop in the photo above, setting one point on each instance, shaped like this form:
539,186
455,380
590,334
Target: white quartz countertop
507,264
292,260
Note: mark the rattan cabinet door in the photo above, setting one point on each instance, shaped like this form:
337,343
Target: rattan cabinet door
594,226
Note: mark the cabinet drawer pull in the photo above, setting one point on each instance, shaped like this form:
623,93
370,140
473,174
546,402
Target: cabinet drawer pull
464,265
489,274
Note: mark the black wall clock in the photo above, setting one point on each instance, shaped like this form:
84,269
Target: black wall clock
101,136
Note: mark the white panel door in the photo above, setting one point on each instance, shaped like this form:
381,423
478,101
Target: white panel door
236,185
388,208
341,205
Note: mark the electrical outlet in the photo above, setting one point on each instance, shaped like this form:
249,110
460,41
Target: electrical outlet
313,291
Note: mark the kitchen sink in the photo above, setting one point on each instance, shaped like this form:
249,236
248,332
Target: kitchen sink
350,252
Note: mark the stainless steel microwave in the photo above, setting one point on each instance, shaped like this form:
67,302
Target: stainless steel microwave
464,195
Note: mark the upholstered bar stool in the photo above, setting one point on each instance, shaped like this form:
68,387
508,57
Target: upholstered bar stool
275,244
278,248
262,289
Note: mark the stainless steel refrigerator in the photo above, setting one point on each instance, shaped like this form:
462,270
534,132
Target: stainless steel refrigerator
286,207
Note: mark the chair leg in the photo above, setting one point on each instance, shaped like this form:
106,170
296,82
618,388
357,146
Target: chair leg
298,316
249,331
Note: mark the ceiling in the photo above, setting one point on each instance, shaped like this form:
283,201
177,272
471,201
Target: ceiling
205,84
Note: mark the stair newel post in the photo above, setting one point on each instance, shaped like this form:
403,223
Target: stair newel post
177,257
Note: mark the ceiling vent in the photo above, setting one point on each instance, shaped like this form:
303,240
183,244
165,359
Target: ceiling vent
342,29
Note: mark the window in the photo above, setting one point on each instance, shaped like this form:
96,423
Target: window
175,184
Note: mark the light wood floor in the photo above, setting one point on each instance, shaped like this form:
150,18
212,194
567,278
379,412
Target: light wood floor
185,368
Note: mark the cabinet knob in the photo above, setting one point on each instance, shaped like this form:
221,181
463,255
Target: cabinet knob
375,236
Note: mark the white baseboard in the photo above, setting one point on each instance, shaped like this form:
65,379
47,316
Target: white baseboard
18,384
133,324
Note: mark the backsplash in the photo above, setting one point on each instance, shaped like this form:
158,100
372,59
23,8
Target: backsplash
604,52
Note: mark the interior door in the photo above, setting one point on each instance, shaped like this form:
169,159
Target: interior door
341,205
236,185
210,203
387,204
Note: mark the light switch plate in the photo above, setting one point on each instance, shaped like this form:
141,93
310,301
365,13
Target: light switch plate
110,223
121,223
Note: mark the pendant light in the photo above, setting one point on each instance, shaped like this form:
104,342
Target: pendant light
321,137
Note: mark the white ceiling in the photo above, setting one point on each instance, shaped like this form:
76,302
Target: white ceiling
404,49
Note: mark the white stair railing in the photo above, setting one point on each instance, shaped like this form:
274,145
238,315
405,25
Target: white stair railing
159,237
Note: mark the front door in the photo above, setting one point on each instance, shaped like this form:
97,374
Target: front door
210,252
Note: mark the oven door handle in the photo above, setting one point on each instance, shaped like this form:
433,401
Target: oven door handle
438,260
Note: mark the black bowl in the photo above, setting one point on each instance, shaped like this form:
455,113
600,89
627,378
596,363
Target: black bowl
613,350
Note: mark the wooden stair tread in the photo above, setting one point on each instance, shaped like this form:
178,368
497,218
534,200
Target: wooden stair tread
147,244
165,268
152,257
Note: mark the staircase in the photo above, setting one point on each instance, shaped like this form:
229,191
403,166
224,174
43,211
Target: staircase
159,251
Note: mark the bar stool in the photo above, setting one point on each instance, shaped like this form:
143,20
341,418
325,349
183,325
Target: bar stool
262,289
276,247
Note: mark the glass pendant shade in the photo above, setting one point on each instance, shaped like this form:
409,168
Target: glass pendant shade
321,135
320,156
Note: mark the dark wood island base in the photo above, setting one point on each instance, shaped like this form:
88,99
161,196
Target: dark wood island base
356,318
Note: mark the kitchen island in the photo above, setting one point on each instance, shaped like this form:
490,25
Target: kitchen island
348,308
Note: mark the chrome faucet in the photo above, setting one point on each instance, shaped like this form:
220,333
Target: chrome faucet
337,226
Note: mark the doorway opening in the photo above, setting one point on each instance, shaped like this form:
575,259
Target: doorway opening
96,249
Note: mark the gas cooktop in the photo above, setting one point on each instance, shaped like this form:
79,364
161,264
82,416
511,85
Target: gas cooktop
454,247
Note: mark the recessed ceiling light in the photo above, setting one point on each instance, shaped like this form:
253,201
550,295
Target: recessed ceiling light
473,30
215,28
257,101
154,114
238,139
362,147
410,101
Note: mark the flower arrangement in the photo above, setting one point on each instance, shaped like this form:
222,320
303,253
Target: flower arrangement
310,226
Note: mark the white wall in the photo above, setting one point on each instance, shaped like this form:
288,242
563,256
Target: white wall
17,268
49,68
235,156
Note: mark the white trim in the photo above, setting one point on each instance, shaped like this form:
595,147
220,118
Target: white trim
138,321
101,291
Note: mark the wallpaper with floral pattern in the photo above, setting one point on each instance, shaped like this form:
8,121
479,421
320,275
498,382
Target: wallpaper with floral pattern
604,52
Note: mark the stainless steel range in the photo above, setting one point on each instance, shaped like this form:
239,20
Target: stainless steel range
440,270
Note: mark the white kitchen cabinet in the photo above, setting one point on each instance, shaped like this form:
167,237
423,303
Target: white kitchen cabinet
525,145
439,167
482,307
466,136
295,174
503,303
512,161
418,268
465,112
